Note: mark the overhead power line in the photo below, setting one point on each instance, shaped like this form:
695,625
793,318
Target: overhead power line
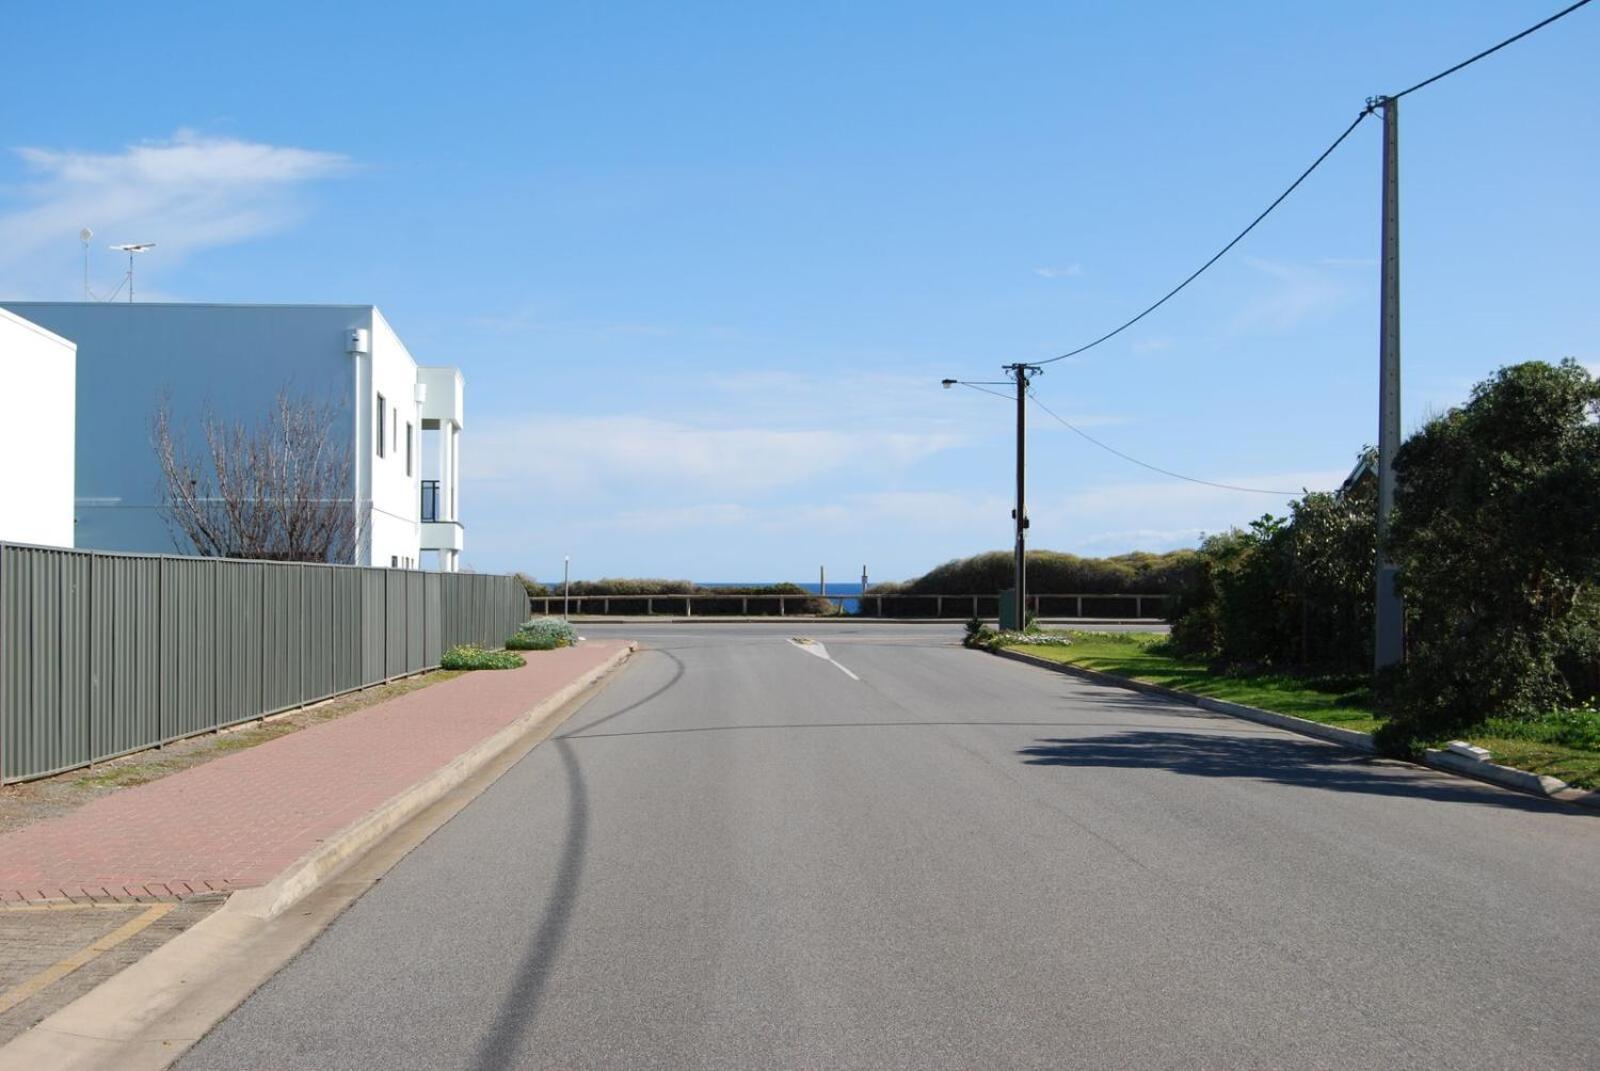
1170,294
1126,457
1371,106
1145,464
1513,39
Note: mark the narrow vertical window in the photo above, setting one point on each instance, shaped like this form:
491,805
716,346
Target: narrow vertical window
383,412
408,448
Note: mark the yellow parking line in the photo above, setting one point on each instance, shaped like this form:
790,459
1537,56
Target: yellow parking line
50,975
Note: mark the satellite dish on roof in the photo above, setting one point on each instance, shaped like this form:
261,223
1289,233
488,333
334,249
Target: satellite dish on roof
131,248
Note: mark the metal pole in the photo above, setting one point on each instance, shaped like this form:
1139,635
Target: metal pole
566,586
1389,641
1020,371
822,581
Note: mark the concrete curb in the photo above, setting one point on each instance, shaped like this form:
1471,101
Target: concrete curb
267,901
148,1015
1448,762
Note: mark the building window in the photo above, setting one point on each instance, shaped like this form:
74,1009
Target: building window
408,448
395,427
383,413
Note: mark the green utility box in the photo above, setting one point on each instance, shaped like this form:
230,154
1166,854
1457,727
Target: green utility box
1009,618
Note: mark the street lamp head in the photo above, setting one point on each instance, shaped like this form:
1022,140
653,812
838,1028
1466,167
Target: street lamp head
948,383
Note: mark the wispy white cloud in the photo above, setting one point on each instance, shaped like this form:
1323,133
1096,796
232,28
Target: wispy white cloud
1062,271
945,512
1299,293
186,193
617,453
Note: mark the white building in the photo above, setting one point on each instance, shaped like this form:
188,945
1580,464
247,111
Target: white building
403,421
38,369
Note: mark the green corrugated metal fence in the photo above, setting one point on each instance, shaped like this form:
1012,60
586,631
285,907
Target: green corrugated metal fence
102,654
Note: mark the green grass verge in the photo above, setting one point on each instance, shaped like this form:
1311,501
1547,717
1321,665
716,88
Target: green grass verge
1542,747
1143,656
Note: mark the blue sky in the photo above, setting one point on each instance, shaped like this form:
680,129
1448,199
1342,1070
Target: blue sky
703,265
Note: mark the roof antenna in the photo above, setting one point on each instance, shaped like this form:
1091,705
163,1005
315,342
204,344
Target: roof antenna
131,248
84,236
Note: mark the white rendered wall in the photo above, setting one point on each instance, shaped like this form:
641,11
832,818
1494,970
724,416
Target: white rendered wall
395,520
233,359
38,369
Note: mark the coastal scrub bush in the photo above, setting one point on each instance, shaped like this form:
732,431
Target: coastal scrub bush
532,587
543,634
1288,591
1051,572
1497,536
471,656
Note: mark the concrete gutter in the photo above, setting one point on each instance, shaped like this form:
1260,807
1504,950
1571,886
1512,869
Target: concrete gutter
1504,776
148,1015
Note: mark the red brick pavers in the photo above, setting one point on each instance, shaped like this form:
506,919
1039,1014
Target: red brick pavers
238,821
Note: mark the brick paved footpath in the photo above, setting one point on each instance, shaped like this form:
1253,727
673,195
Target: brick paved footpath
238,821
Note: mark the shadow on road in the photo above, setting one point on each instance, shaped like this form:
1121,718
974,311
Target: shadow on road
1301,763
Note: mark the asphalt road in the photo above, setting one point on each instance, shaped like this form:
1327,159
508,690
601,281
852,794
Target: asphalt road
739,856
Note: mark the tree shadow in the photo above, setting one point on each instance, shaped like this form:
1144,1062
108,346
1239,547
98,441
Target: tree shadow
1298,763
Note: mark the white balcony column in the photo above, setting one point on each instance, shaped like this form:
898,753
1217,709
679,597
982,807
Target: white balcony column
455,467
442,501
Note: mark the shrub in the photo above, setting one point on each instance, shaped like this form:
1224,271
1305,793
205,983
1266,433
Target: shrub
1498,550
1051,572
527,641
532,586
470,656
551,630
1288,591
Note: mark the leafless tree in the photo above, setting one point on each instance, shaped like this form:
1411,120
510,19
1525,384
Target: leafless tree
278,489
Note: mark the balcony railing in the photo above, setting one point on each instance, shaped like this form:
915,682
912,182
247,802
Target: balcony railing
430,500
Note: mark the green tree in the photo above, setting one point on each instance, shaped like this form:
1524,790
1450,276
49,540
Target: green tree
1334,558
1497,535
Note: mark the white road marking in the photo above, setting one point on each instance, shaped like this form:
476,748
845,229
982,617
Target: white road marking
812,647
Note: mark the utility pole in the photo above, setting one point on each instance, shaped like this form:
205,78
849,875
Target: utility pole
1020,373
566,587
1389,640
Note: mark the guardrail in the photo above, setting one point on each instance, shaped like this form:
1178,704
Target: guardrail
104,653
954,607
